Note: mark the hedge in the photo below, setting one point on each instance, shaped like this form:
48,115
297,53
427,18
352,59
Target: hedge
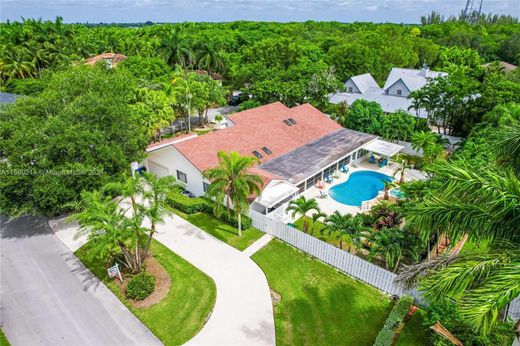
202,205
393,321
189,205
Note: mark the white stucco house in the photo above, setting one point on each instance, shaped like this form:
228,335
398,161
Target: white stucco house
296,147
394,94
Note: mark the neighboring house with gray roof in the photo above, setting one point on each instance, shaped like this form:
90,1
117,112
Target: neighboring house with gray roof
6,98
394,95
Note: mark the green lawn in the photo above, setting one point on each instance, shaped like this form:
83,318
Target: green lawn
414,333
179,316
3,339
222,230
316,232
319,305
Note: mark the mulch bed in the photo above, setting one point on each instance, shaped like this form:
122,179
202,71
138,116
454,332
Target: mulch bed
162,284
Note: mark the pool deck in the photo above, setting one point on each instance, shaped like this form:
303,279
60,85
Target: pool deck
328,205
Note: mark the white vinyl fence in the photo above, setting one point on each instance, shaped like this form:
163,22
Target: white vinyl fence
342,260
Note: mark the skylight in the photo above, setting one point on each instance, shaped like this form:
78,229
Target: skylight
292,121
257,154
287,122
266,150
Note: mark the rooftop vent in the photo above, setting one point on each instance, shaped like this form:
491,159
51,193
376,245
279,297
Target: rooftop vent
257,154
292,121
287,122
266,150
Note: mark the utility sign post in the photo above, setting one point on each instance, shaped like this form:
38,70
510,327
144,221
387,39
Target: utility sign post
113,271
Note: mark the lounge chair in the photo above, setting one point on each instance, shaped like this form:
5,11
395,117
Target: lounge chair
382,163
344,169
372,159
320,184
328,179
323,194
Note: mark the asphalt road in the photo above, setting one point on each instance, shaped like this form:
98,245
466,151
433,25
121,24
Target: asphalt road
47,297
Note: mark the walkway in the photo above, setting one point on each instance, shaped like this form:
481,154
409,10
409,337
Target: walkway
257,245
49,298
243,313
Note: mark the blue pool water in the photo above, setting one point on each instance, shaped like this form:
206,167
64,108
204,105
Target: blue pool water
360,186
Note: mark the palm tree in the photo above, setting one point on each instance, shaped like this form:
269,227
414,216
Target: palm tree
428,142
347,226
416,103
388,185
483,202
406,163
315,217
209,58
302,206
155,194
388,244
175,50
232,184
108,228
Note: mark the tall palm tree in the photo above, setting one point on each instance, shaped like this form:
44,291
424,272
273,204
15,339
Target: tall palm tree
232,183
388,244
302,206
347,226
209,58
175,50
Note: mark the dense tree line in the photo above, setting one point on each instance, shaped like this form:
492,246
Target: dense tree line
306,48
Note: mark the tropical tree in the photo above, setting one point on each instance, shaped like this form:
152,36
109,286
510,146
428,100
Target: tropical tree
388,243
429,144
484,203
209,57
347,226
315,218
232,184
302,206
111,230
397,126
113,223
387,186
406,163
175,49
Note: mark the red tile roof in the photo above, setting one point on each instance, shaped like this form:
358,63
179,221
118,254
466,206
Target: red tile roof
116,58
256,128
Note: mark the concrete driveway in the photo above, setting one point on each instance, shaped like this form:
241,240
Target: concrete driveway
48,297
243,313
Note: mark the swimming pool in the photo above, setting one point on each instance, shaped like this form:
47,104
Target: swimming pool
360,186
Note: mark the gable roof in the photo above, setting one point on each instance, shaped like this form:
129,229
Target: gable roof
364,82
413,79
256,128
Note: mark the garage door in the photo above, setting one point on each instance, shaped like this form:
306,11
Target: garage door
157,169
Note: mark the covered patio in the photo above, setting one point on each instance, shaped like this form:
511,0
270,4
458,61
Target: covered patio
384,149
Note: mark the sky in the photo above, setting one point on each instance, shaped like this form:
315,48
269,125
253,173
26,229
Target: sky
107,11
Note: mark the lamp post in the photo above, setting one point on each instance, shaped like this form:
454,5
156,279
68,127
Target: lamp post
188,97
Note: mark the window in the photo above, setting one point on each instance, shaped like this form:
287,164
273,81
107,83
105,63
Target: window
182,177
266,150
205,186
312,181
399,92
350,89
301,187
292,121
257,154
286,122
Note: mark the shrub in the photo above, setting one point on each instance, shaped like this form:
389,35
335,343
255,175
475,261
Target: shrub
233,221
140,286
393,321
189,205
